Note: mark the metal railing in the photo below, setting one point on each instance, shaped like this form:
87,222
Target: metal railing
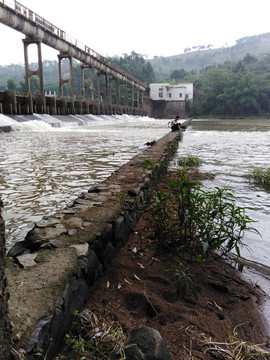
46,25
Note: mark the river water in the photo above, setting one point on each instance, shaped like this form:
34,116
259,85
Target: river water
48,161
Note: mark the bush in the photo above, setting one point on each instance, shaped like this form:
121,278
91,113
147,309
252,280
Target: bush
260,177
189,161
201,221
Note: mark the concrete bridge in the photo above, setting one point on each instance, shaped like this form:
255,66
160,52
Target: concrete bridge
122,92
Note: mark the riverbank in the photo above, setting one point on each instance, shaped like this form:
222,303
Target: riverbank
136,291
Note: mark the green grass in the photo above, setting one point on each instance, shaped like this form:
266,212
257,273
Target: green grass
260,177
189,161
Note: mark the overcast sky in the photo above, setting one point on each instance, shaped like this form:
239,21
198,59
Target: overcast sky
149,27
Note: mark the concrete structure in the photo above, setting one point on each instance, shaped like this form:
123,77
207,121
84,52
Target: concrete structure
170,100
123,93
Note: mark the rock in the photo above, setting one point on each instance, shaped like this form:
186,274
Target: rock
47,233
146,344
53,244
47,221
82,249
19,248
72,232
27,260
74,222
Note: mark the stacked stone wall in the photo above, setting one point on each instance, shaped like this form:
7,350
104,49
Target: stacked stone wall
5,331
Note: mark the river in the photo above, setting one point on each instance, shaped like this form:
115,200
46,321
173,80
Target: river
48,161
44,167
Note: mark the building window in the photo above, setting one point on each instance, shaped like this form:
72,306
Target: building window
160,89
181,94
170,95
160,94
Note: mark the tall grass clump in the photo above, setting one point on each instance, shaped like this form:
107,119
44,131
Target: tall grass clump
260,177
189,161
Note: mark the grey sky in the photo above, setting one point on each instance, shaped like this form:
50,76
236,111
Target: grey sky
149,27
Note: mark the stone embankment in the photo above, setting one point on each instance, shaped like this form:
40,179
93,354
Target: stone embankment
5,329
56,268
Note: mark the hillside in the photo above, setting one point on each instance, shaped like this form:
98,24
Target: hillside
256,45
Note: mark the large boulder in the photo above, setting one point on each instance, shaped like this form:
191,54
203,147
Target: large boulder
146,344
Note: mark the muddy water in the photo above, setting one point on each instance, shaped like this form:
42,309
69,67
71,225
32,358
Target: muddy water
43,168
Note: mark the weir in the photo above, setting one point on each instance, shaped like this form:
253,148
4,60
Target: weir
123,93
57,267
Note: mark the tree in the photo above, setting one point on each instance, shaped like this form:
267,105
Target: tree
11,84
136,65
178,74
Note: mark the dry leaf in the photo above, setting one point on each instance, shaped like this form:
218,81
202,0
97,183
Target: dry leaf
134,250
108,284
140,265
128,282
137,277
217,306
119,286
95,318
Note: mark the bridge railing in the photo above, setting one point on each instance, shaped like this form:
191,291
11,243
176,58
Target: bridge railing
46,25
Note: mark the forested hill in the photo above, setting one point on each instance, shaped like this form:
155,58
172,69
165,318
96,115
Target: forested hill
157,69
200,57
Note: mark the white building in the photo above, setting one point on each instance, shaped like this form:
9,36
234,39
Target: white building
170,100
167,92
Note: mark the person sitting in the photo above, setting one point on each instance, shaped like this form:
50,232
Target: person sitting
174,125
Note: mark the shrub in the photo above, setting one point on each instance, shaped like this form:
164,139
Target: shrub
260,177
189,161
201,221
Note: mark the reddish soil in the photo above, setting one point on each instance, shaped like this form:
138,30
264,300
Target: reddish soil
137,292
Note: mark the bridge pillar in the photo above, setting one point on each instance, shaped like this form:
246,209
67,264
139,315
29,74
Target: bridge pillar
98,92
63,81
84,86
118,93
132,96
38,72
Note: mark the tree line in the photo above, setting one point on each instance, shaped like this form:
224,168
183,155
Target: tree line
234,89
134,64
240,88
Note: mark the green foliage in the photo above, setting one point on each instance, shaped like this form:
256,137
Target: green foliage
184,278
189,161
136,65
260,177
238,92
11,85
178,74
201,221
93,336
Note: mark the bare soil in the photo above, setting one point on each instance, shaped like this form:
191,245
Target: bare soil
136,291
